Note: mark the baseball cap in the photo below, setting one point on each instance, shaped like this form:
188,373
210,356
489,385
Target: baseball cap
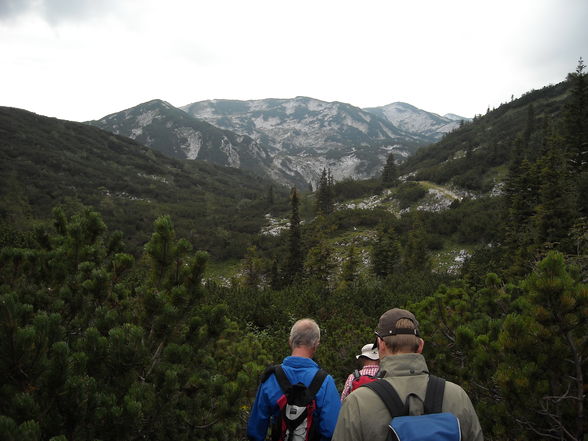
388,320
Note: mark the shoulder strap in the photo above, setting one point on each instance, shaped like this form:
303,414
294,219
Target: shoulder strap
389,396
284,383
267,373
282,378
317,382
434,395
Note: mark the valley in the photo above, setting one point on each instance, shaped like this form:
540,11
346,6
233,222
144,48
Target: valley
152,263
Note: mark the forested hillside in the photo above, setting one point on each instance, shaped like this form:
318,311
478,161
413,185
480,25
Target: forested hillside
45,162
475,156
98,342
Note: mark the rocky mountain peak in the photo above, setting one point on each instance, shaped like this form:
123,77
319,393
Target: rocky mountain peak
416,121
289,140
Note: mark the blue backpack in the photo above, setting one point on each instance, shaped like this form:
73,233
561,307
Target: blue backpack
432,425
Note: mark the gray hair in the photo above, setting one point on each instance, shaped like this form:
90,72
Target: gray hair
305,332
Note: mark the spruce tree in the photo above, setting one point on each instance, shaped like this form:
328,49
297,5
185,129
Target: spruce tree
576,120
390,173
555,213
251,268
350,266
275,277
576,135
416,254
521,199
325,193
295,259
530,127
319,265
386,251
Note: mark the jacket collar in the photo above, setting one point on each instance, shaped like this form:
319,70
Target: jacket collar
401,365
299,362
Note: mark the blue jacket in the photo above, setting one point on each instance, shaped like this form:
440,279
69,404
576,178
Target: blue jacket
298,370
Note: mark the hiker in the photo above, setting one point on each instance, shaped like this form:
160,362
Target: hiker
365,417
370,365
298,368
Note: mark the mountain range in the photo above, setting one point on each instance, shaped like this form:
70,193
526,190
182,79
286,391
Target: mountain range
288,140
45,162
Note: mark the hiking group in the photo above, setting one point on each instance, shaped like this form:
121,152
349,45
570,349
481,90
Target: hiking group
392,396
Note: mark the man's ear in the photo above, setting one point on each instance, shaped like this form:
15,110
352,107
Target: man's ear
382,348
421,346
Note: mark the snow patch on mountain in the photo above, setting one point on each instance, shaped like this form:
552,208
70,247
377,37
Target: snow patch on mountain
142,121
410,118
147,118
417,121
193,141
233,159
454,117
262,122
359,125
315,105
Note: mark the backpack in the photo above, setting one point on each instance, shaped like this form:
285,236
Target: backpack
432,425
296,405
359,380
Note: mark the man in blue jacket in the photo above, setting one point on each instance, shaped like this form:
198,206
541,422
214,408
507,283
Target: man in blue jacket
299,368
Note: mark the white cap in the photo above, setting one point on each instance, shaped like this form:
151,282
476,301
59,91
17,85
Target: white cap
368,352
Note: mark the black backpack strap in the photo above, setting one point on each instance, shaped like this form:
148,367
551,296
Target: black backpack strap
434,395
267,373
317,382
283,381
389,396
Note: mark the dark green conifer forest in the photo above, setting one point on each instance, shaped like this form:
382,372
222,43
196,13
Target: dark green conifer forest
105,338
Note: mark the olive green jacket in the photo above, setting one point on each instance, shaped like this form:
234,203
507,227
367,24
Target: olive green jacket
364,416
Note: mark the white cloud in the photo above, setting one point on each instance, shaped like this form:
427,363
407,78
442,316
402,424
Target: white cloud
82,59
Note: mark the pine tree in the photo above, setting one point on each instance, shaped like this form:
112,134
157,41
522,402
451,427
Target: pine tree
521,199
390,174
530,127
555,213
251,268
576,120
576,135
487,340
98,349
275,277
325,193
350,266
386,254
295,259
319,265
545,389
416,254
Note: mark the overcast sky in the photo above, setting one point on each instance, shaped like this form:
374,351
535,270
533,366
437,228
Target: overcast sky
84,59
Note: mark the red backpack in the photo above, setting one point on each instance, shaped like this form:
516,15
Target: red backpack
360,380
